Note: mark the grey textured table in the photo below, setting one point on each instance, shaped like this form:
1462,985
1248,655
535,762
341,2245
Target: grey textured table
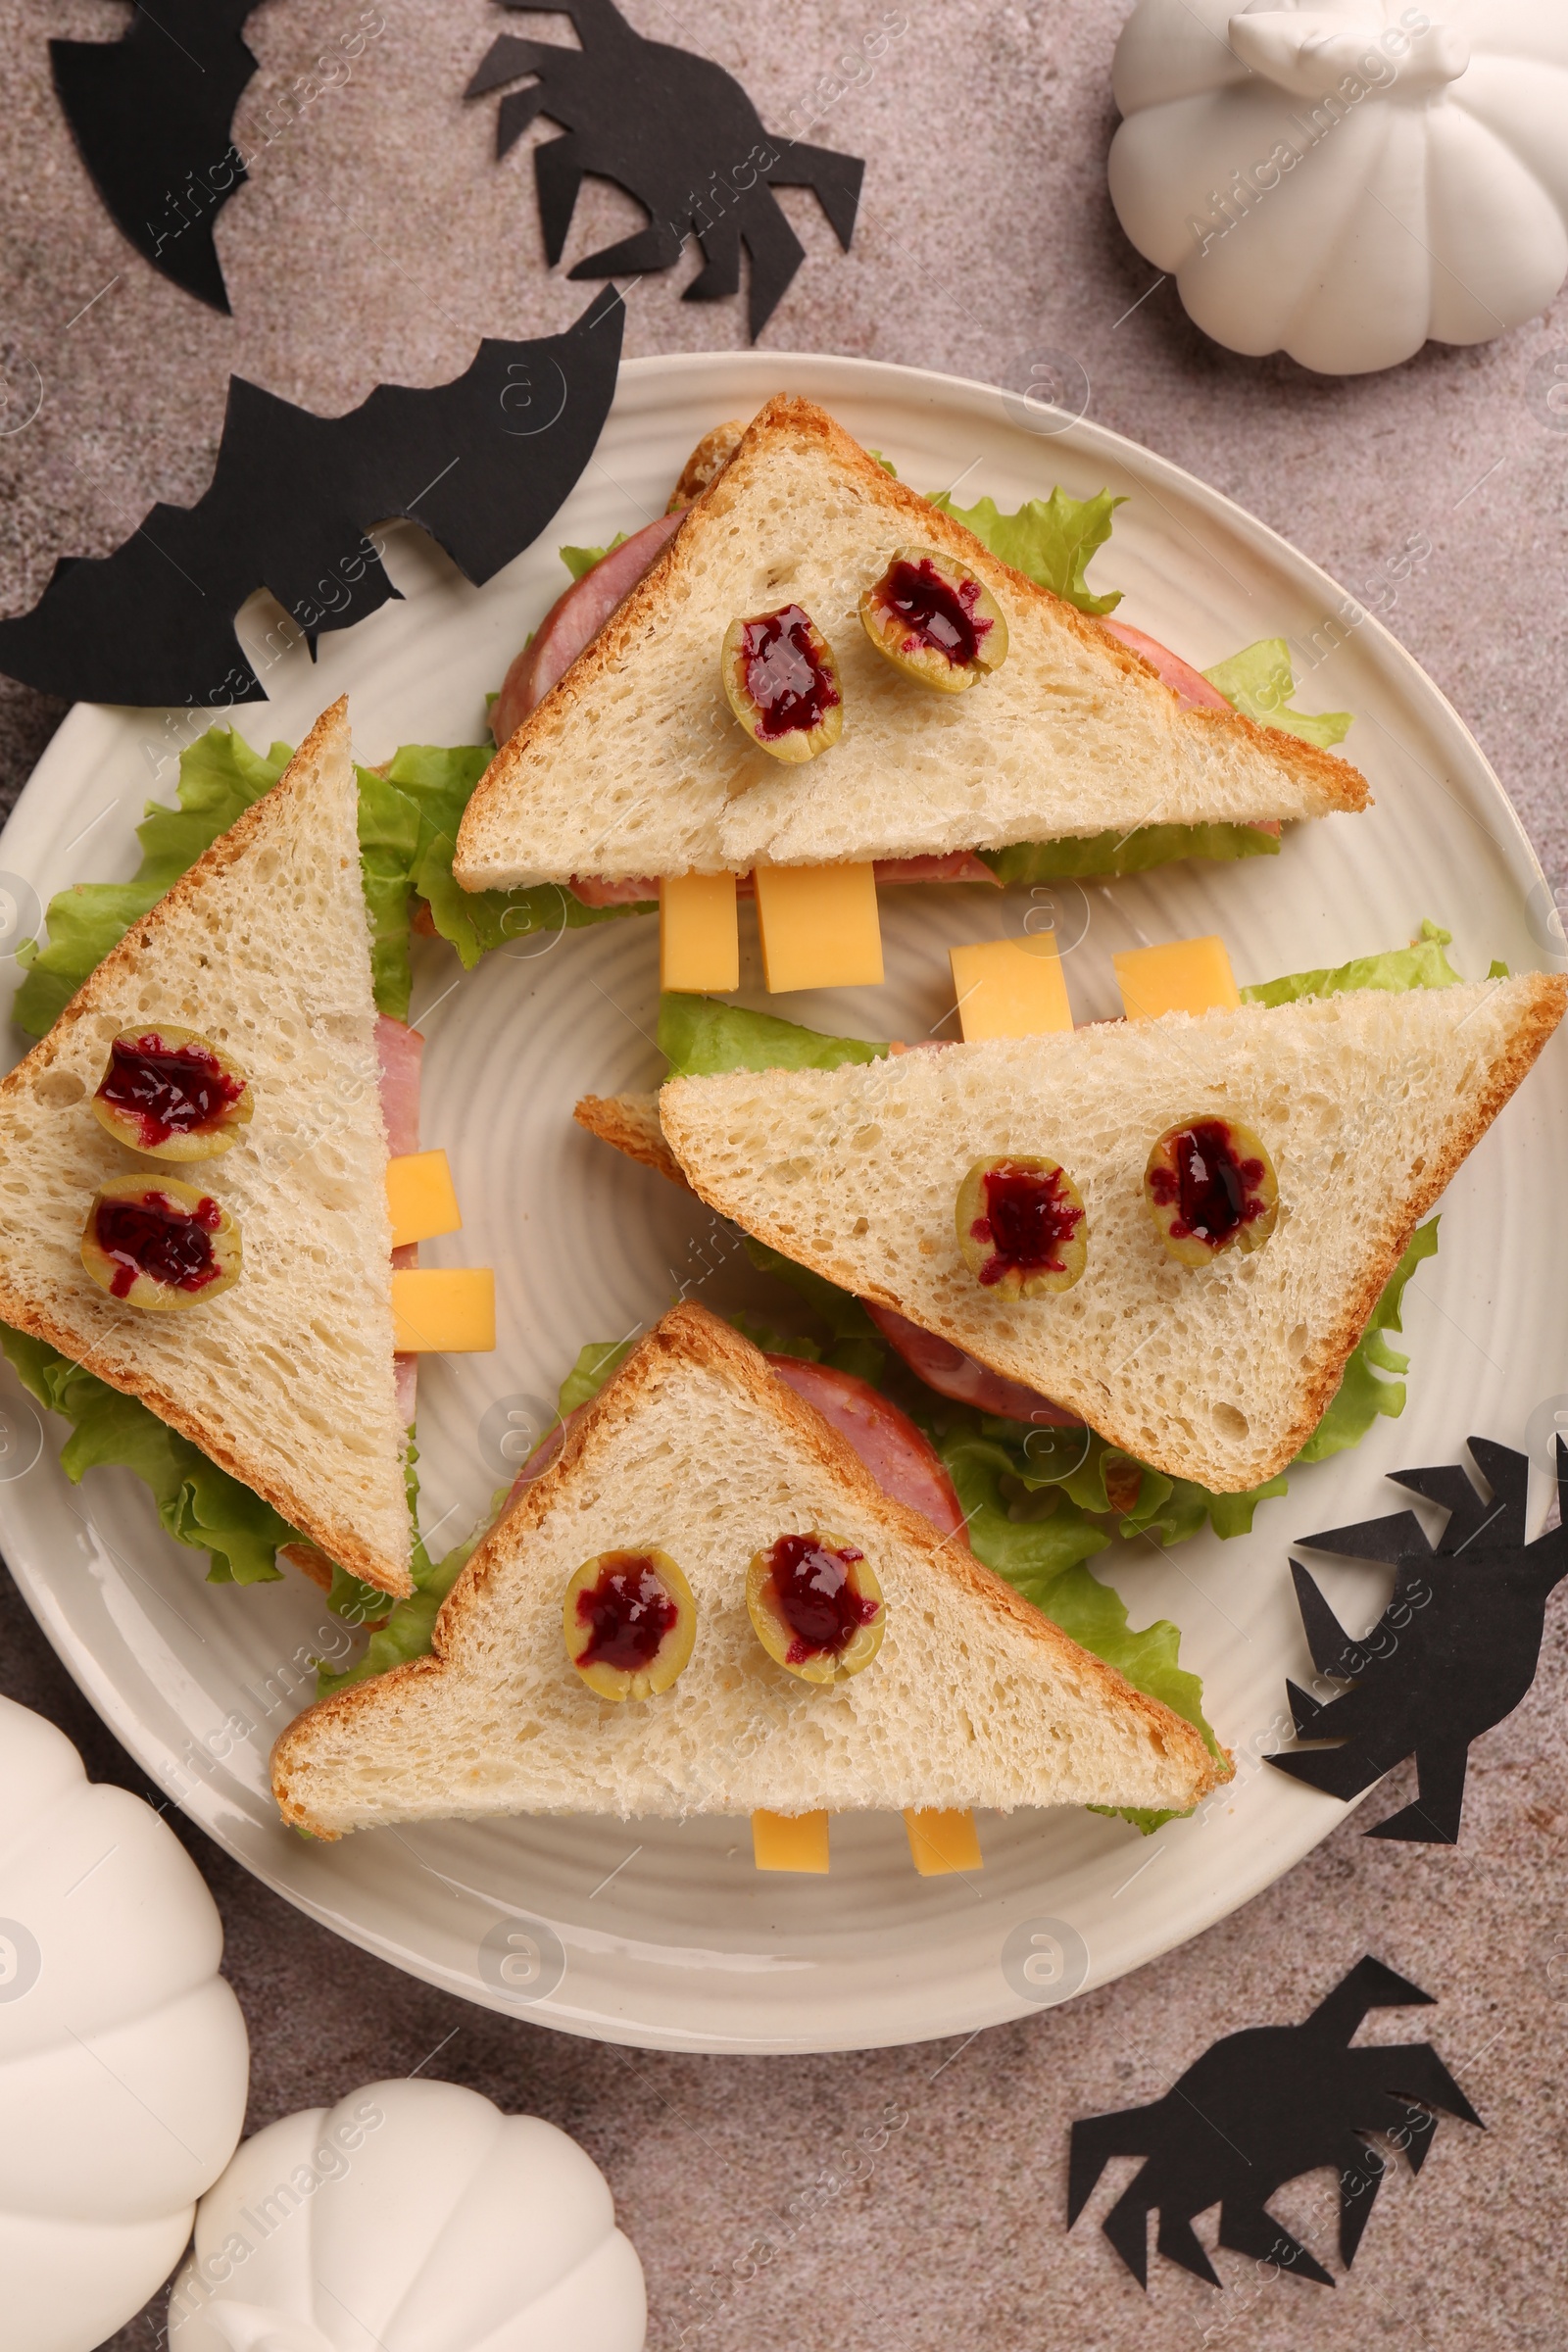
378,240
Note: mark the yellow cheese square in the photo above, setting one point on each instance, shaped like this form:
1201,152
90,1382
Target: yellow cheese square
443,1310
420,1197
1183,975
940,1842
1010,988
699,937
819,926
790,1842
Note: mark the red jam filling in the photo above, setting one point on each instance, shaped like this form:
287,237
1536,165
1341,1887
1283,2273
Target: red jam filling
1029,1219
630,1612
154,1237
1213,1191
788,686
937,614
168,1089
815,1599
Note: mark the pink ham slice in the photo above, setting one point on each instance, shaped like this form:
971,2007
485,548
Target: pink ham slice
903,1463
952,1373
574,620
398,1050
1180,676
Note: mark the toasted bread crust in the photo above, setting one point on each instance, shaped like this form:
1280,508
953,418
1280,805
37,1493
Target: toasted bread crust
631,1123
332,1534
1334,783
690,1332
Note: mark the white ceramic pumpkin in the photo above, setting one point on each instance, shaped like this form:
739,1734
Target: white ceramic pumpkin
1341,181
123,2060
411,2217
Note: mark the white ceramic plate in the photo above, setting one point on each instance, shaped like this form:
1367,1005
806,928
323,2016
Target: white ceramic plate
665,1935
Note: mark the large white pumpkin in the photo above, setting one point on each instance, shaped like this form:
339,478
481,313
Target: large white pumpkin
411,2217
122,2053
1341,181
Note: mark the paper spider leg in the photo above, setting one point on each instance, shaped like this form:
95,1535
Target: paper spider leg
1248,2228
776,254
557,172
1126,2226
508,60
1326,1636
1412,2070
722,244
514,113
834,179
1434,1818
1362,2171
1095,2140
651,248
1370,1985
1342,1772
1179,2242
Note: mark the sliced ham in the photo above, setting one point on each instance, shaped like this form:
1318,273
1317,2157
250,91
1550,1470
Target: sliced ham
900,1458
959,865
952,1373
590,891
574,620
398,1050
903,1463
1180,676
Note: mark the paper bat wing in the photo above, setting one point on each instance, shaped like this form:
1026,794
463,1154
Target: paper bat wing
482,463
151,116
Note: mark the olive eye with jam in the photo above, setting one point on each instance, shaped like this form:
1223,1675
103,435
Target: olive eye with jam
816,1607
629,1621
172,1093
935,619
1021,1227
153,1242
782,683
1210,1183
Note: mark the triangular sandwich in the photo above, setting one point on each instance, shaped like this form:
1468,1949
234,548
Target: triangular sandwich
634,764
286,1379
695,1450
1365,1103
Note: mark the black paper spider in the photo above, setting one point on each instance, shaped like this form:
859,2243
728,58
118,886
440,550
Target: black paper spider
680,135
1453,1652
1258,2109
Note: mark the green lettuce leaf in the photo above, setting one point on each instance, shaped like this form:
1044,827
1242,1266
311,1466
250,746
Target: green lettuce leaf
1049,540
700,1036
198,1504
588,1375
1361,1394
220,776
1422,964
1258,682
389,837
1104,855
406,1632
440,782
580,561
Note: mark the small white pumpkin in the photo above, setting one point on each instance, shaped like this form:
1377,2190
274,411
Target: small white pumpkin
1341,181
411,2217
123,2060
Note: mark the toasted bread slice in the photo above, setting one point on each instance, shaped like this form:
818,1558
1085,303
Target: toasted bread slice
286,1380
633,765
1367,1103
694,1447
631,1123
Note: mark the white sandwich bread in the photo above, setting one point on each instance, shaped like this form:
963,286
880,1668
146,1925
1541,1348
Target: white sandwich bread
695,1450
633,764
285,1379
1365,1103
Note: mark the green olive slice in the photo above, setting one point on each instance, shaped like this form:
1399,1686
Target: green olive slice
817,1605
1210,1186
153,1242
935,619
782,683
629,1621
172,1093
1021,1226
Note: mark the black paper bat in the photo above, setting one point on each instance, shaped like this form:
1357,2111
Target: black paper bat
481,464
1258,2109
1453,1652
680,135
150,114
